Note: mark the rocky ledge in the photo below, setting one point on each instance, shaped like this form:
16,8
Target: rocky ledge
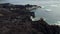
15,19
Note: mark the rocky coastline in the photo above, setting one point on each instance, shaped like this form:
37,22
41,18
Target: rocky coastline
15,19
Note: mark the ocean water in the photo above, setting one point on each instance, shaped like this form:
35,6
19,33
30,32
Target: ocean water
50,10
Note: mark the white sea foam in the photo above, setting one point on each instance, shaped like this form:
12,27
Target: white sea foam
48,9
43,6
58,23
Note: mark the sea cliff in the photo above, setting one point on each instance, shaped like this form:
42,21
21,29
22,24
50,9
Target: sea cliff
15,19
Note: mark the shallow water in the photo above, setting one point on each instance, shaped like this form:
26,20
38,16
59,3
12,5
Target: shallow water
50,9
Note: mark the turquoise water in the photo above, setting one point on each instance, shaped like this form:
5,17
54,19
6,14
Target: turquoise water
50,10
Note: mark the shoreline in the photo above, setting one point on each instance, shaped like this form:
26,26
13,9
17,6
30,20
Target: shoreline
15,19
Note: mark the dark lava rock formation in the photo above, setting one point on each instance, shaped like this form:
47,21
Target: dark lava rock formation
15,19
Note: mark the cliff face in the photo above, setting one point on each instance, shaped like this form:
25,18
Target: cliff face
43,27
19,22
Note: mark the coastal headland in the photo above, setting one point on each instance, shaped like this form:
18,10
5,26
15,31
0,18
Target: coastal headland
15,19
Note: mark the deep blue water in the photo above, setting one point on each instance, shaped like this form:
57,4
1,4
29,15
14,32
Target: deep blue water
50,10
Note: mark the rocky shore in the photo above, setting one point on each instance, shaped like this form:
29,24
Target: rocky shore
15,19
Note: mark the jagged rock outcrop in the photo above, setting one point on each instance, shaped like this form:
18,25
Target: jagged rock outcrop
45,28
19,22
